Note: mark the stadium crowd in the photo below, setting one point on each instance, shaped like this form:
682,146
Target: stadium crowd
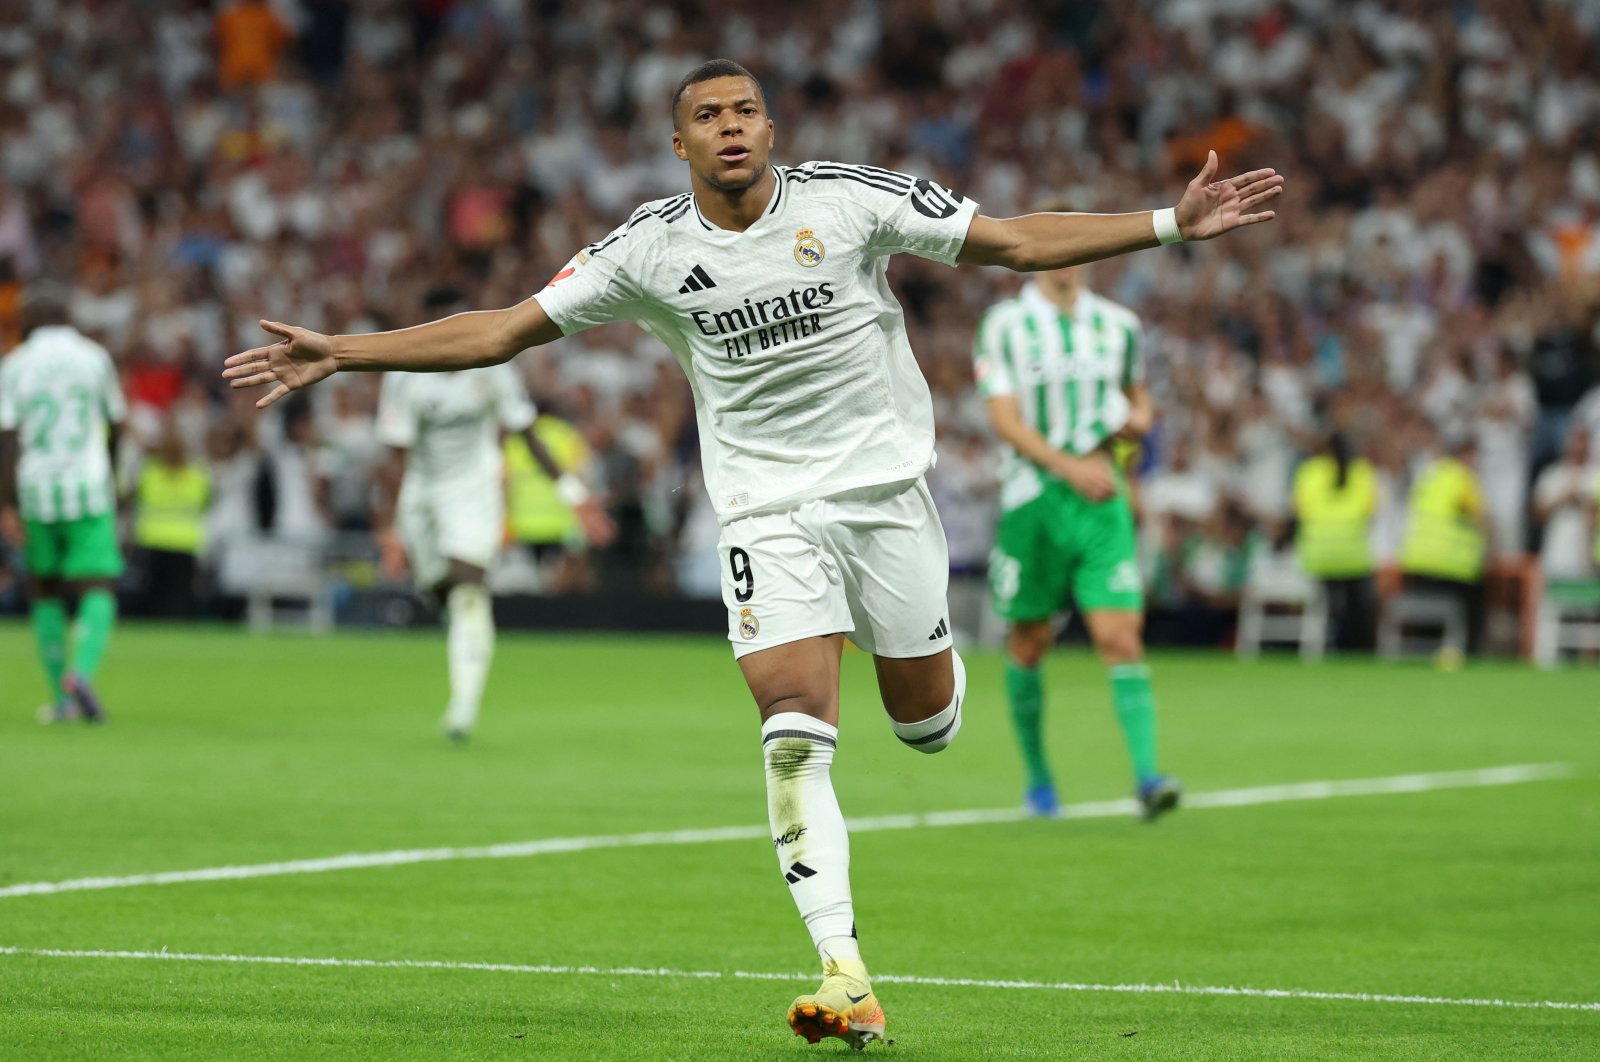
1433,279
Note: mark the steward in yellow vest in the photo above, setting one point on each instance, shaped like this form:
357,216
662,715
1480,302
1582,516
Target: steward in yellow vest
1444,537
170,507
534,506
170,502
1335,500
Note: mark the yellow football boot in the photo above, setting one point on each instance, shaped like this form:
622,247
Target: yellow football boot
843,1006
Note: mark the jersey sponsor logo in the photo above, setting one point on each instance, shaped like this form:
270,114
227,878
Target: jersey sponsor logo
765,323
808,249
749,626
934,200
697,280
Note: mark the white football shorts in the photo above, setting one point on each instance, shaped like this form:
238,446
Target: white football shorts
871,563
440,523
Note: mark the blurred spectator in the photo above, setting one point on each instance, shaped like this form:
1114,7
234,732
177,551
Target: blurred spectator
170,501
1564,505
329,163
1335,500
251,38
1445,542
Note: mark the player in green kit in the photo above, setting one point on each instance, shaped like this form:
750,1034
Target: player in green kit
59,405
1061,372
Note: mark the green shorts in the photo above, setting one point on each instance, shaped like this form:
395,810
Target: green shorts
1061,548
85,548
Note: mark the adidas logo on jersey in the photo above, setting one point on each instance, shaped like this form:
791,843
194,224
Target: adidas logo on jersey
697,280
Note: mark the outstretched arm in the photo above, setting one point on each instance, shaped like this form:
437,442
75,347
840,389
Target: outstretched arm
1054,241
464,341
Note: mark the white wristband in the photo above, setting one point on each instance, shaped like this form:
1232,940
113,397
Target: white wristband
1165,221
571,491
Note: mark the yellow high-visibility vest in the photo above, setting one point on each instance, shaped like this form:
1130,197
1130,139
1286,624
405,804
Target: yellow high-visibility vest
533,509
1443,539
171,507
1335,523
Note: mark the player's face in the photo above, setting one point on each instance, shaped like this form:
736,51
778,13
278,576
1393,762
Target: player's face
724,133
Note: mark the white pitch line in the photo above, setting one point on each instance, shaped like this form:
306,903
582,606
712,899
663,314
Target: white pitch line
1222,798
1173,988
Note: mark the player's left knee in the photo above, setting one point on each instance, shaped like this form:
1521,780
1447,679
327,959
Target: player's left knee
1120,649
935,733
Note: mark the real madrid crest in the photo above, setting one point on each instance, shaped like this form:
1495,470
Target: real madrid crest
808,249
749,626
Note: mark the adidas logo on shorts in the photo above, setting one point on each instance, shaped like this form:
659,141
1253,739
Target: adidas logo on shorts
940,631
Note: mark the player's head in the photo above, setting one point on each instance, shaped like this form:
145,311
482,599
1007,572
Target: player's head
45,304
1062,285
720,125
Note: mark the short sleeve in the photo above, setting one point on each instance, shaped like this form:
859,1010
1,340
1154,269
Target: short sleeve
1133,364
990,357
111,397
906,214
397,421
512,405
593,288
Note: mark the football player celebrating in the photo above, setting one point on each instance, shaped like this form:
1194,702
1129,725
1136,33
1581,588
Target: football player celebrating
768,285
446,514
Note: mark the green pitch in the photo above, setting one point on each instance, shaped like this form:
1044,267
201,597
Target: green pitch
227,750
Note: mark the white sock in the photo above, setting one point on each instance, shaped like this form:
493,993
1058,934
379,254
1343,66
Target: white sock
808,830
935,733
471,647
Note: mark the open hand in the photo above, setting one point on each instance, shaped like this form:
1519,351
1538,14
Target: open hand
1210,207
299,359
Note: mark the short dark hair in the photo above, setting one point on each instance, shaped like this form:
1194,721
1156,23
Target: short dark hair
44,304
710,71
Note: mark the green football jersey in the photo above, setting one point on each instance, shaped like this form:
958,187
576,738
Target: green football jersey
1068,370
58,392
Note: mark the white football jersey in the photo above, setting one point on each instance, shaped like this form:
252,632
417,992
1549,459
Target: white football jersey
796,350
449,422
58,390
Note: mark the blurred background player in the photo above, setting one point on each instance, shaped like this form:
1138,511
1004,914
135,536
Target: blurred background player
1061,371
442,504
1335,503
60,405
